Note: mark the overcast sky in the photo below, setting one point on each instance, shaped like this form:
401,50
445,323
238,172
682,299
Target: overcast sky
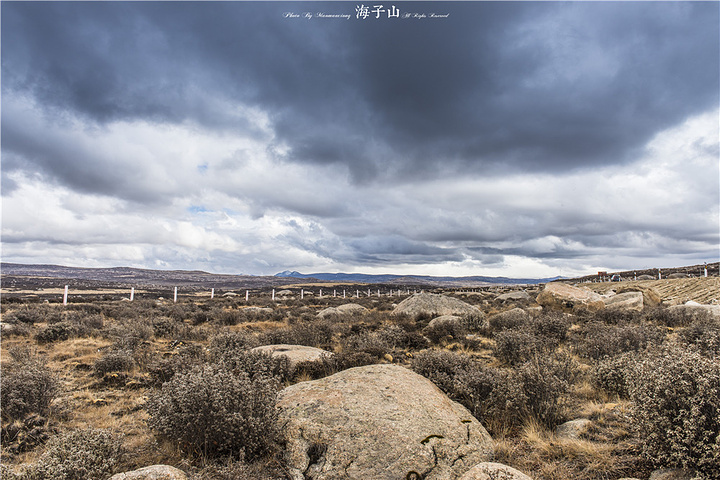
509,138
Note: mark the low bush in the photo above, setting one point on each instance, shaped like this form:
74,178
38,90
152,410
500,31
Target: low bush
226,343
367,342
672,317
165,327
509,320
545,382
677,409
330,365
616,374
704,334
474,322
502,398
312,334
32,314
26,387
397,337
614,316
517,346
436,331
134,330
88,454
596,339
213,411
551,325
163,369
14,328
55,332
113,361
256,364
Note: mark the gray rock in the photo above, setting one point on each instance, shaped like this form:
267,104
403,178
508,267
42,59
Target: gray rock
379,422
573,429
346,309
294,353
435,304
564,297
674,474
646,277
494,471
444,320
625,301
514,296
651,297
154,472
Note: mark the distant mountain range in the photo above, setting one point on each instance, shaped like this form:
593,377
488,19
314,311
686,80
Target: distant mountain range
16,275
413,279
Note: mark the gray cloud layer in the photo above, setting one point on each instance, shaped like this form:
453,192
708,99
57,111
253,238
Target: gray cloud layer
327,117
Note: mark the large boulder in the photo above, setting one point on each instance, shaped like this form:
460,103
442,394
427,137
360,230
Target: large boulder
434,304
346,309
651,297
520,295
493,471
625,301
564,297
294,353
677,275
154,472
379,422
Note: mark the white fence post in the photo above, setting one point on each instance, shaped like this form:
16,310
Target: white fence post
343,293
132,293
302,293
320,293
65,295
247,295
175,296
212,293
273,296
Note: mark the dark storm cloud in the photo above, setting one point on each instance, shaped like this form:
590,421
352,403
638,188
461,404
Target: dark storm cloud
495,87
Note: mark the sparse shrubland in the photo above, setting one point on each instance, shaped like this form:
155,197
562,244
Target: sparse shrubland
178,383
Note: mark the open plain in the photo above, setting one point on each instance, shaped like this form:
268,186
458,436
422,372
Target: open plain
578,386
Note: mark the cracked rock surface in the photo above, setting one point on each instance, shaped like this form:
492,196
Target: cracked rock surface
379,422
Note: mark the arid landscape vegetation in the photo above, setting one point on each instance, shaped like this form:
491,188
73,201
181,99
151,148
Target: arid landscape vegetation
570,379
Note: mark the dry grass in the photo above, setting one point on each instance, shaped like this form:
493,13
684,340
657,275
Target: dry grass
546,456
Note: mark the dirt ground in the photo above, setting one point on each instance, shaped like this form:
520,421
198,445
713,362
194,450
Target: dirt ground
675,291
